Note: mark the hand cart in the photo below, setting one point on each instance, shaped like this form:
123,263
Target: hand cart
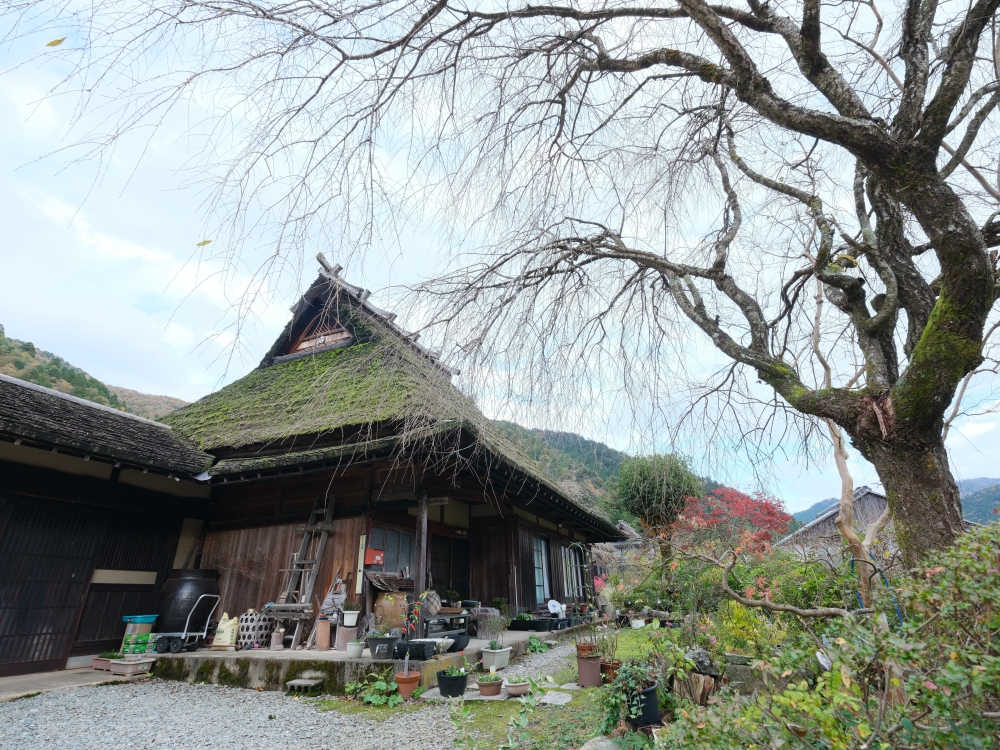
189,639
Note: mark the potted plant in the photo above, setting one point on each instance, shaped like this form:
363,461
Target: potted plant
355,649
351,611
452,681
607,649
489,683
127,668
454,598
518,685
103,660
381,644
496,656
406,683
586,641
542,625
634,690
523,621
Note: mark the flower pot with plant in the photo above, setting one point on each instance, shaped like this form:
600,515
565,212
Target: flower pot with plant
406,683
523,621
355,649
489,683
607,649
454,598
496,655
452,682
586,641
381,644
351,611
632,696
517,686
103,660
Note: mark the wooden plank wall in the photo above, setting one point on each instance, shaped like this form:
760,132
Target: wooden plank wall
253,562
490,574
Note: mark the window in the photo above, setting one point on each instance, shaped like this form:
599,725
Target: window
398,547
542,591
575,571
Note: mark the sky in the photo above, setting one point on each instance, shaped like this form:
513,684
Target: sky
95,267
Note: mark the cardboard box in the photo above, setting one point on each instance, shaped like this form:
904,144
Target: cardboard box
138,628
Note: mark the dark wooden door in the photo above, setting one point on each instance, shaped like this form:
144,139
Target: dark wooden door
47,553
134,542
441,563
460,567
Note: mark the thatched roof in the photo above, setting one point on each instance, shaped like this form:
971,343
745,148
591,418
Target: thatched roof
46,418
371,393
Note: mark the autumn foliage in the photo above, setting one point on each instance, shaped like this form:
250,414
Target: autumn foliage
729,519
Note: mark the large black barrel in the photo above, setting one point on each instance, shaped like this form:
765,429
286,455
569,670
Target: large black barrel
179,593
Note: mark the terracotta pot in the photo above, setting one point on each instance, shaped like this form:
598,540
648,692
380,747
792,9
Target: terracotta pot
609,669
490,688
585,649
407,683
518,688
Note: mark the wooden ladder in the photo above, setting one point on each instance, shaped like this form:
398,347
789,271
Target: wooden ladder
304,572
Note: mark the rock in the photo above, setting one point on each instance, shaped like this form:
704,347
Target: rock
600,743
555,698
702,662
569,686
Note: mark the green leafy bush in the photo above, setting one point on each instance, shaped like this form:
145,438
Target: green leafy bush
377,689
929,681
655,488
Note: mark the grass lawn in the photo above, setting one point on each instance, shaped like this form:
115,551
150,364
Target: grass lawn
376,713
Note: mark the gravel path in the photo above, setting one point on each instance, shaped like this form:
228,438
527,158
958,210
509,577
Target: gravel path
178,716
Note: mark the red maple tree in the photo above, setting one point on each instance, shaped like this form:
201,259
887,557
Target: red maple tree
725,516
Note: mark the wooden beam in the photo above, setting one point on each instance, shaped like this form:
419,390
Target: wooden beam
420,574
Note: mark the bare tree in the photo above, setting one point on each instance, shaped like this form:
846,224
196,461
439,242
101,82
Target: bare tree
634,168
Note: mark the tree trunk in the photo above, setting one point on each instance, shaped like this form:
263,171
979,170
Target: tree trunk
922,493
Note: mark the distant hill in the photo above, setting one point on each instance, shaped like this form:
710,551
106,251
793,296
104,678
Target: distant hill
146,405
983,506
21,360
810,513
584,468
968,486
979,497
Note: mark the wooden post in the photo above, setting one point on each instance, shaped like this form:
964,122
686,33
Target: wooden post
420,574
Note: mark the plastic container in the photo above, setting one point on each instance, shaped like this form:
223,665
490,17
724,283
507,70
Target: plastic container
497,659
141,619
589,671
649,709
383,648
542,625
461,641
452,687
422,650
355,650
179,593
521,625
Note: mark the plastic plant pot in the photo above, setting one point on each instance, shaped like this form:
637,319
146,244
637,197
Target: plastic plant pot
649,709
382,648
542,625
355,650
638,624
609,669
461,641
490,688
128,668
452,687
589,670
407,683
586,649
351,619
516,689
496,658
102,664
422,650
521,625
402,648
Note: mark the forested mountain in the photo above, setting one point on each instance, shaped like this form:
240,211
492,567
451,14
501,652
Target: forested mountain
145,404
982,506
21,360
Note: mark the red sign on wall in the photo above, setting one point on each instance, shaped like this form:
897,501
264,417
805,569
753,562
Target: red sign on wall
374,556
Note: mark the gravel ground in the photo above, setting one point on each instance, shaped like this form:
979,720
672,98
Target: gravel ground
178,716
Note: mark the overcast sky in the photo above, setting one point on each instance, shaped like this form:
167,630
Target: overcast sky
95,267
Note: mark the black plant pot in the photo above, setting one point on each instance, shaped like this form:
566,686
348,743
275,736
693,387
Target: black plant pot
542,626
461,641
421,650
521,625
382,648
454,687
649,709
400,651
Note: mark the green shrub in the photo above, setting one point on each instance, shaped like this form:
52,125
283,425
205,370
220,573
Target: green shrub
928,682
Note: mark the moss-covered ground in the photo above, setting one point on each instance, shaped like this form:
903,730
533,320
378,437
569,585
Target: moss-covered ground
368,711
